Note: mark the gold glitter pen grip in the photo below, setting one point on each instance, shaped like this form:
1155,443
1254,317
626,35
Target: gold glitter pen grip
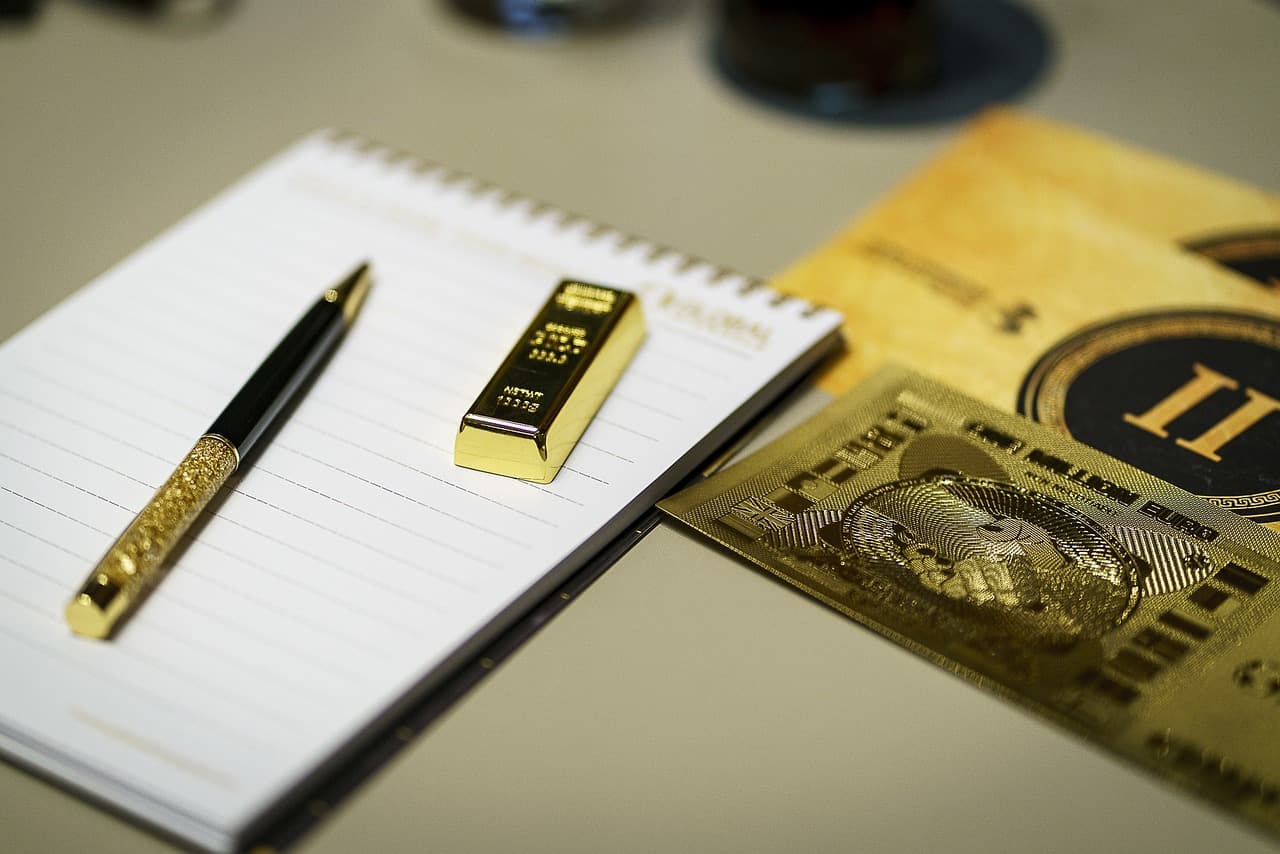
134,563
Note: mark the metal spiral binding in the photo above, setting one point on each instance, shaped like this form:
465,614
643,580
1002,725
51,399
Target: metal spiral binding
564,219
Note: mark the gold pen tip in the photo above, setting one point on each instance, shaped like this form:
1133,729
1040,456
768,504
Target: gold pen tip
351,291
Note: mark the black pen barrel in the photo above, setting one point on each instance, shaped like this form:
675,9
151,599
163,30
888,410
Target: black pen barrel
280,376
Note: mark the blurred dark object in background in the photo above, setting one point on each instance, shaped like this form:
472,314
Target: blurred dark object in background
879,61
184,12
18,10
190,10
793,47
548,17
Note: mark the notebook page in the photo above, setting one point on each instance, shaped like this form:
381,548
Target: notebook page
352,557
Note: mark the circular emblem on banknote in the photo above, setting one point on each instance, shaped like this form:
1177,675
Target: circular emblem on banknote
1190,396
996,562
1255,254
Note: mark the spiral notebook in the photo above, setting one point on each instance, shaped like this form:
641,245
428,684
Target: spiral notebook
352,565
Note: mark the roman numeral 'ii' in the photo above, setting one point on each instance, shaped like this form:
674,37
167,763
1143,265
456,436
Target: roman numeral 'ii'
1194,392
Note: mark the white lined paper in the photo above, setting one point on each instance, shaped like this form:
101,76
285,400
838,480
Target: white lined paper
351,558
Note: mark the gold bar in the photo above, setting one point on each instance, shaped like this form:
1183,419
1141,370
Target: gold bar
537,405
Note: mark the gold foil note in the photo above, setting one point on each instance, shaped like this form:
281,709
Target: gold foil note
1098,596
547,390
996,269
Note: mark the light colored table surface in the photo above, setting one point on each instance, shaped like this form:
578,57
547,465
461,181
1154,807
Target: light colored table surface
685,702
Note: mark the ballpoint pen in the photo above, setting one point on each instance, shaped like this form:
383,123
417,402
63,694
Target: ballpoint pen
134,562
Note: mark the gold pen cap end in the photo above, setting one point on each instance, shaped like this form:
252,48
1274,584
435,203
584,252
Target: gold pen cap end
96,608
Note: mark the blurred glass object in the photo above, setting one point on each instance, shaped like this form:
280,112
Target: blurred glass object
879,61
799,47
548,17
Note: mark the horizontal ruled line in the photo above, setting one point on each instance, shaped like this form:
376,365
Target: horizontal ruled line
407,631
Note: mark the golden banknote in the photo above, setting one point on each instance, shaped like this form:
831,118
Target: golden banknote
1023,294
1095,594
1224,219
